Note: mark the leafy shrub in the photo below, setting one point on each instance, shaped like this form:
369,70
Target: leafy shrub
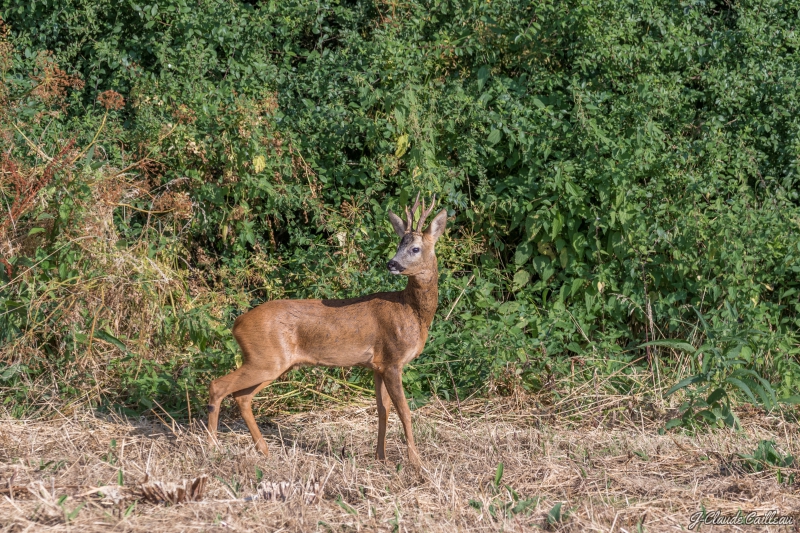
764,455
767,457
609,167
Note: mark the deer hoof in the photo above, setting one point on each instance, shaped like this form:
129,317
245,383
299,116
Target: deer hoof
414,461
261,446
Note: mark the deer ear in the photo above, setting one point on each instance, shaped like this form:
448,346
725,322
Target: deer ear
436,228
398,224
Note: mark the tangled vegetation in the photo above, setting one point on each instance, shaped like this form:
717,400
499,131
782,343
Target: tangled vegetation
622,179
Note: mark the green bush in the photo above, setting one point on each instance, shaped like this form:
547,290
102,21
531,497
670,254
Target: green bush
609,167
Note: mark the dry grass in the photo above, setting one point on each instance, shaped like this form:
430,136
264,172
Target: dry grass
607,477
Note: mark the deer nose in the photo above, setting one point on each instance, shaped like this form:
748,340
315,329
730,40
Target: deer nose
394,266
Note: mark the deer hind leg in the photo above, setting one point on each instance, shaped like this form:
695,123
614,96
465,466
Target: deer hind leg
244,398
384,405
393,381
239,380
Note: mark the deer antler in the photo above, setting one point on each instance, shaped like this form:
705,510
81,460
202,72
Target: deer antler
425,213
410,214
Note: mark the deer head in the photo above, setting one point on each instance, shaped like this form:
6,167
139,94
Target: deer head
415,253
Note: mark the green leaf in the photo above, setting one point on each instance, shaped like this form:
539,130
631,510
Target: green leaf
684,383
523,253
554,516
764,390
671,343
716,395
773,400
563,257
483,75
558,225
577,283
494,137
400,118
107,337
344,506
12,370
701,318
498,475
730,419
74,513
401,146
762,394
741,385
89,155
674,422
34,231
708,416
523,505
532,227
521,278
514,495
540,263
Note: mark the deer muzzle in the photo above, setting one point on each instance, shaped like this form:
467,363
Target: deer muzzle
394,267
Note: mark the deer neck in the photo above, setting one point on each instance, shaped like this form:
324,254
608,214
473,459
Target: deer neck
422,295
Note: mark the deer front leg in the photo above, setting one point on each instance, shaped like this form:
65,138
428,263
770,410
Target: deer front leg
393,381
384,404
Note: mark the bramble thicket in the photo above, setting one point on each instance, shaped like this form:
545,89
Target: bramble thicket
622,180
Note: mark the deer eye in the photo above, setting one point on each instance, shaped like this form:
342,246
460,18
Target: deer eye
415,250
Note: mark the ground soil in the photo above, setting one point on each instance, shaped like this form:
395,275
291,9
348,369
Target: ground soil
606,472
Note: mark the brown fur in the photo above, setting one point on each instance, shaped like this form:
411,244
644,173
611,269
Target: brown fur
381,331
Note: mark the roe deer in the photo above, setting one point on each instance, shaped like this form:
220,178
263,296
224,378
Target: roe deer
381,331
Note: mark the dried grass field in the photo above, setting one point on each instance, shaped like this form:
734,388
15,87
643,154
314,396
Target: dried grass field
608,472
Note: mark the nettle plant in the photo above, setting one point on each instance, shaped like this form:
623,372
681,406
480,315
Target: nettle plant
609,166
726,365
